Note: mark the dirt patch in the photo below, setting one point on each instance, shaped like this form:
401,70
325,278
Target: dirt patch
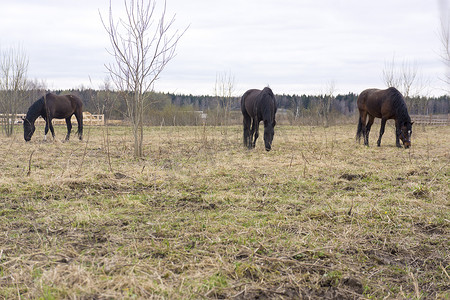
354,284
351,177
274,293
195,201
430,229
110,186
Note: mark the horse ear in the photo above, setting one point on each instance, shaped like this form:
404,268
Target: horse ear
412,122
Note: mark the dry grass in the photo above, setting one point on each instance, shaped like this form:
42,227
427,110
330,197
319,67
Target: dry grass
201,217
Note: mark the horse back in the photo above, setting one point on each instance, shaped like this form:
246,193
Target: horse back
376,103
75,102
248,102
61,107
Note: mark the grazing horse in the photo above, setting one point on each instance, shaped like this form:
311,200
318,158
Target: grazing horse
385,104
257,106
51,107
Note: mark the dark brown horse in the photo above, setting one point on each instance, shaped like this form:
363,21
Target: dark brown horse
385,104
51,107
257,106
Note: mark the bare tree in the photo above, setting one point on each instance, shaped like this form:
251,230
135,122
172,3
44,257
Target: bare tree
409,79
405,77
326,103
390,77
13,84
142,44
444,35
104,106
223,91
329,99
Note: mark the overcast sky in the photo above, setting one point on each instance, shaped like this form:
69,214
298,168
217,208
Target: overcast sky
294,46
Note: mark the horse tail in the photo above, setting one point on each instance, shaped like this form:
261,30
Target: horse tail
361,104
243,102
360,129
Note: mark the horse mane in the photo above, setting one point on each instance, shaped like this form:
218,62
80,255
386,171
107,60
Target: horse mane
35,109
399,104
268,97
267,92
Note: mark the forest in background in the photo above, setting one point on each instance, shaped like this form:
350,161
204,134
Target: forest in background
166,109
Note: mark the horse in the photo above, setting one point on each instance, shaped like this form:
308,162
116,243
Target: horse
257,106
385,104
50,107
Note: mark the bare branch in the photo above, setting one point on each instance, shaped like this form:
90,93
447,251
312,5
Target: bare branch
444,35
13,83
390,77
141,48
405,78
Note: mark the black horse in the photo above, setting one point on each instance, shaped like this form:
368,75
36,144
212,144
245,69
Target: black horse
385,104
51,107
257,106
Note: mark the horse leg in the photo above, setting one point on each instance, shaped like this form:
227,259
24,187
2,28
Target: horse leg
383,124
50,125
367,131
255,129
252,134
397,134
79,117
69,127
46,130
247,139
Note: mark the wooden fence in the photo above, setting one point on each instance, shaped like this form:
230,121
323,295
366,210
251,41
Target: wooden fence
88,119
436,120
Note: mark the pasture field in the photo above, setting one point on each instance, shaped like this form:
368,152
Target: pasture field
201,217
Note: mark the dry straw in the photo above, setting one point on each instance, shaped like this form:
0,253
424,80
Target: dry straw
200,216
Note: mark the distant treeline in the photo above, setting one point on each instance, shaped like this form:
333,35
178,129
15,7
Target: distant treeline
343,104
172,109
